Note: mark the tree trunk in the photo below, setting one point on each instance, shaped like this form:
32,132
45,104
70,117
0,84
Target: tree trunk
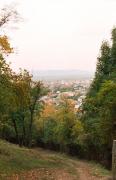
16,130
24,132
114,160
30,128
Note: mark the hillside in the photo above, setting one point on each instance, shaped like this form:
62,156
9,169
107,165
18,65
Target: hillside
22,164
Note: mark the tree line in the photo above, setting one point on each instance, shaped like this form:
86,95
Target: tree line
19,94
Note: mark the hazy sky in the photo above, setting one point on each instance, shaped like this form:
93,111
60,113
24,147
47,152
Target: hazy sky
61,34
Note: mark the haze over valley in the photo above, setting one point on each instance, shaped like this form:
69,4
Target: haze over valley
54,75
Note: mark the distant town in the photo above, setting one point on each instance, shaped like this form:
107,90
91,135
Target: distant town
75,90
70,84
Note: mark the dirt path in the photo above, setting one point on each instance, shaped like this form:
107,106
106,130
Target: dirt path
83,172
66,168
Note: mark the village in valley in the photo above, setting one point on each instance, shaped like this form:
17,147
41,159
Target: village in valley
75,90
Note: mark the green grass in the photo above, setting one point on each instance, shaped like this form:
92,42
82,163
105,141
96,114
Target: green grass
14,159
99,170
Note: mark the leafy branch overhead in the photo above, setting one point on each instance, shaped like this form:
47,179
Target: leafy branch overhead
8,15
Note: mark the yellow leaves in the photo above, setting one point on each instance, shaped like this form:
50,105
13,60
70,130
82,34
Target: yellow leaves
5,45
49,110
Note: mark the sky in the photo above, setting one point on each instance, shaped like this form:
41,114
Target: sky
60,34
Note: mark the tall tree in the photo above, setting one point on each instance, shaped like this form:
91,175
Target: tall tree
36,92
99,105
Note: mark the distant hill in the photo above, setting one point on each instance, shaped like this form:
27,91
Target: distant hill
50,75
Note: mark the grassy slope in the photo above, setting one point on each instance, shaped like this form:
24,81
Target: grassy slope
16,160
